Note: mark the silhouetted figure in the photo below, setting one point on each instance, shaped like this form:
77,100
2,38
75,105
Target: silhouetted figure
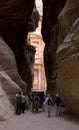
18,100
36,102
58,105
32,102
23,102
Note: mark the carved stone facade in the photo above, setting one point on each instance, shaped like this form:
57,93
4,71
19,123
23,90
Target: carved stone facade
35,39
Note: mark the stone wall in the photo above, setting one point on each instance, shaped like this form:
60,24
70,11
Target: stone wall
68,55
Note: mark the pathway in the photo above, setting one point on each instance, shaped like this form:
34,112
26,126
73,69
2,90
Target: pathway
40,121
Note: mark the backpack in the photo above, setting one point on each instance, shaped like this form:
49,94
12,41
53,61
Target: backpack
49,102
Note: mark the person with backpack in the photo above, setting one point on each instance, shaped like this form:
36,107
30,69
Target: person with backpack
49,102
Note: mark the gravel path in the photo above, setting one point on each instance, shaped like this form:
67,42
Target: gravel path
39,121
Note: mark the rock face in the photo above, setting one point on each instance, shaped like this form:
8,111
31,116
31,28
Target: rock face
10,81
14,31
16,58
7,61
60,31
6,109
8,90
68,55
50,26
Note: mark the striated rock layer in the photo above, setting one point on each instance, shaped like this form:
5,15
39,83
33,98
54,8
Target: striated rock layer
8,90
10,81
16,59
7,61
68,55
16,19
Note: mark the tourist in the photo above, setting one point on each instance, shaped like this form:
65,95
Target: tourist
18,100
32,102
58,104
37,101
23,102
49,102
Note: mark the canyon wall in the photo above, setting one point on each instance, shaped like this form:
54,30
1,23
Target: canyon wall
17,18
68,55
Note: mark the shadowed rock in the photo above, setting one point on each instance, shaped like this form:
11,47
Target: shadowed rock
50,26
14,31
68,55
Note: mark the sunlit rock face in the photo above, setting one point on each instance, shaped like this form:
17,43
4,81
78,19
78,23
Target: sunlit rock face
68,55
9,87
8,90
6,109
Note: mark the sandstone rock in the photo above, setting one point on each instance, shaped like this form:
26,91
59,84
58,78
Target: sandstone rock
68,56
67,17
14,19
8,90
7,61
6,109
9,87
50,26
18,16
15,13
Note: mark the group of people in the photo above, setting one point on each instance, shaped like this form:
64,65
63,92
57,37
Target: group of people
35,102
57,102
20,103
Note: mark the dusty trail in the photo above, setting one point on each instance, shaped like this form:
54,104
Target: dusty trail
40,121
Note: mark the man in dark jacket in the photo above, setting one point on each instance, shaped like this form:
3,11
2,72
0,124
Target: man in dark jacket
58,104
18,103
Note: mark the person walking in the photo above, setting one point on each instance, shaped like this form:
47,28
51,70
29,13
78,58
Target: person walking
58,105
49,102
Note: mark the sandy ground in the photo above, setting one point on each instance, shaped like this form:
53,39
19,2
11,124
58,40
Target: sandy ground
40,121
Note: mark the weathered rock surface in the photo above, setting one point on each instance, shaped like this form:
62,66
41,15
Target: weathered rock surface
6,109
68,55
50,26
8,90
14,32
10,81
60,31
18,17
7,61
